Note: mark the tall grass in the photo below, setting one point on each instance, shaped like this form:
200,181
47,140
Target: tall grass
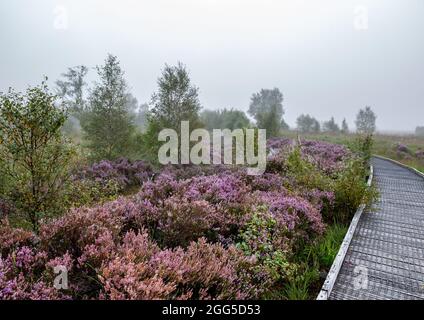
314,263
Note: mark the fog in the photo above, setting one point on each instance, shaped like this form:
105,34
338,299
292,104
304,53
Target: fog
328,57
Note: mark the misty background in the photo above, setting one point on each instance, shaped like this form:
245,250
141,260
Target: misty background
328,57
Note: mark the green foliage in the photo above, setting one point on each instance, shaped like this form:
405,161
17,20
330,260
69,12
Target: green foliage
89,192
141,117
307,124
267,109
108,125
148,142
71,89
313,259
257,240
305,173
34,156
363,146
345,127
299,286
365,121
331,126
176,99
224,119
351,190
259,224
348,185
284,125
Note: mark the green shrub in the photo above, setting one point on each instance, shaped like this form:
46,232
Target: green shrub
108,125
263,239
351,190
305,173
35,157
87,192
363,146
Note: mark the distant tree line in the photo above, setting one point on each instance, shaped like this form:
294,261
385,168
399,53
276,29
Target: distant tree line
110,122
114,124
365,123
224,119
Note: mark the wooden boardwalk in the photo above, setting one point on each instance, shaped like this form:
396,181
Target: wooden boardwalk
385,256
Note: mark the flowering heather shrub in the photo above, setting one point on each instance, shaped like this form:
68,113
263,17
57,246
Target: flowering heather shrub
128,275
321,200
123,171
181,172
325,156
89,241
12,238
103,262
225,189
180,221
293,215
402,148
177,212
328,176
105,180
403,152
209,232
140,270
80,228
277,162
23,276
267,182
419,154
279,143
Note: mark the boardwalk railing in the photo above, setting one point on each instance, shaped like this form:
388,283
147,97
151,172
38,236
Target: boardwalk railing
338,261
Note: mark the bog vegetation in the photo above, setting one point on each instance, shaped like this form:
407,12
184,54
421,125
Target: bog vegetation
81,187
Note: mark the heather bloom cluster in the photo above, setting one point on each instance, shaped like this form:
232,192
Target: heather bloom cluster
105,180
279,143
24,271
326,156
189,232
400,147
419,154
404,152
123,171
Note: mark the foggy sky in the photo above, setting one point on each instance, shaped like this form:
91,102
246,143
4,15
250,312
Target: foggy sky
312,50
